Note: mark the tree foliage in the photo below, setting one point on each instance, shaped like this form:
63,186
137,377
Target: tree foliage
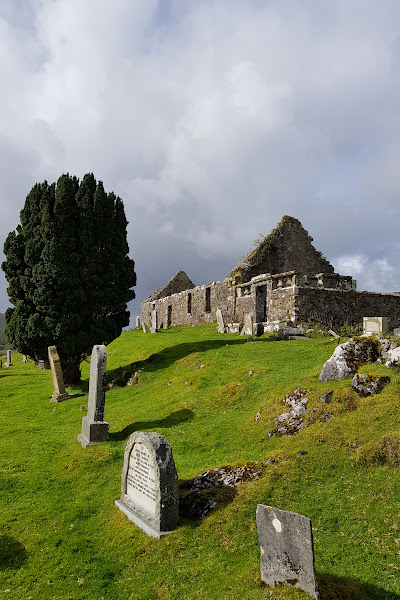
68,270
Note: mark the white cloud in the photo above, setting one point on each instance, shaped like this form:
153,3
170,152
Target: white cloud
211,120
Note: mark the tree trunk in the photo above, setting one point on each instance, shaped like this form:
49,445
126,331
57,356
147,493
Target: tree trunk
71,371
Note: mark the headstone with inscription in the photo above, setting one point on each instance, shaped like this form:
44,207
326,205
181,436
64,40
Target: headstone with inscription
8,363
94,428
59,394
286,547
149,484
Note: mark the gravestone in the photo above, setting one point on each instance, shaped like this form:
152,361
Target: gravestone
94,428
248,325
145,328
8,362
149,484
24,359
378,326
286,547
43,365
153,328
59,394
220,321
137,322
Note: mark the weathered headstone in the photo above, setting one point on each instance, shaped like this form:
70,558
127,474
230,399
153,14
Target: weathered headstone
145,328
248,325
137,322
59,394
378,326
153,328
286,546
8,363
220,321
149,484
94,428
43,365
24,359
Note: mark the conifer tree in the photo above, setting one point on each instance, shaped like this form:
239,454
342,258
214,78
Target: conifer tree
68,270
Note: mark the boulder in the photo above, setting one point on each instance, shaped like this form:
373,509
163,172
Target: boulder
393,357
367,385
347,357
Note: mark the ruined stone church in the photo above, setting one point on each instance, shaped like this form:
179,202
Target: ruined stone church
284,280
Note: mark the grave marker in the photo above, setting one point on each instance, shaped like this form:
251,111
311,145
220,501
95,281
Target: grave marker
378,326
149,484
24,359
220,321
8,363
94,428
153,328
286,546
137,322
59,394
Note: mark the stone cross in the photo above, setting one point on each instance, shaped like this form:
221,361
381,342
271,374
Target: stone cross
8,363
286,546
94,428
59,394
149,484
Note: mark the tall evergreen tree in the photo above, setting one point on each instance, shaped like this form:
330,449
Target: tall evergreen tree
68,270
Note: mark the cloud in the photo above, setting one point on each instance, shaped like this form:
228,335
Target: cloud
211,120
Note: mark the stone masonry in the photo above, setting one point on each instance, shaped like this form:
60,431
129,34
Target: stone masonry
305,289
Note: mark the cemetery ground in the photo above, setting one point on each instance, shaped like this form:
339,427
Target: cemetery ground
62,537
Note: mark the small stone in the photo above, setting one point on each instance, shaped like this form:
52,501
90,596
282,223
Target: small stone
258,415
250,373
327,397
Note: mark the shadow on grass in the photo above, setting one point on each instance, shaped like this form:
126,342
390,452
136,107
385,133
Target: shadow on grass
12,553
341,588
175,418
170,355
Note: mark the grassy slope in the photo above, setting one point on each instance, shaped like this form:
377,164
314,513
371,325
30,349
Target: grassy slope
61,537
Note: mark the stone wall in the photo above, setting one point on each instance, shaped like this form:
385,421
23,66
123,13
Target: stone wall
335,308
192,307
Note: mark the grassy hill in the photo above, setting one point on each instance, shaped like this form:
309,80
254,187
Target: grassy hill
61,537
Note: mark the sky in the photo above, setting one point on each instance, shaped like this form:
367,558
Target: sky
211,120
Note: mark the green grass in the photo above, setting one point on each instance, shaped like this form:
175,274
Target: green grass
61,537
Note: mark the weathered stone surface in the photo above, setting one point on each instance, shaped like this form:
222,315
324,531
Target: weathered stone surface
396,332
153,328
291,422
44,365
220,321
149,484
327,397
378,326
248,325
347,357
286,547
59,394
367,385
393,357
137,322
331,332
233,328
24,359
285,332
145,328
8,362
94,428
